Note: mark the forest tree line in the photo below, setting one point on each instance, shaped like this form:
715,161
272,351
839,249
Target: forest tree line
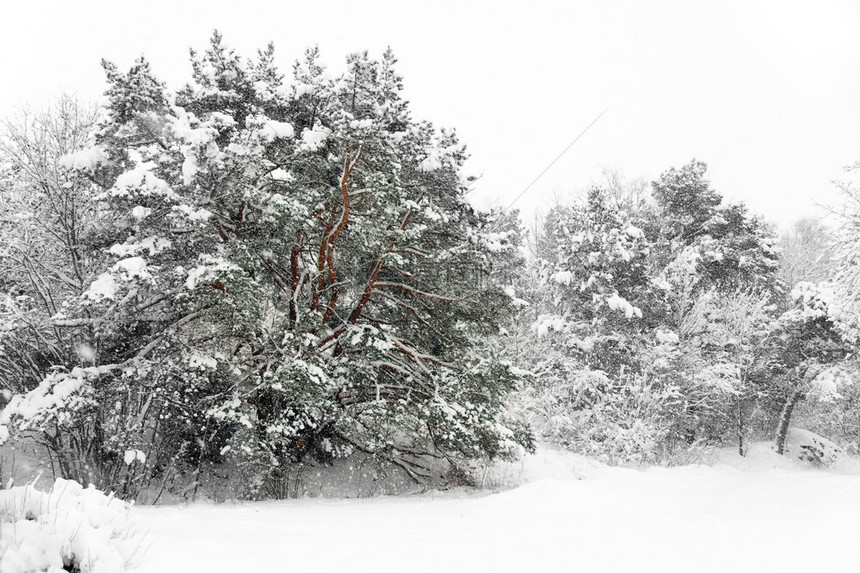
270,274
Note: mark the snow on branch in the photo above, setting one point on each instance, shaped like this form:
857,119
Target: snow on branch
826,385
50,396
85,159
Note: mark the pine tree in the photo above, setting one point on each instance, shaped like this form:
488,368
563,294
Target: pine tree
731,249
598,283
298,267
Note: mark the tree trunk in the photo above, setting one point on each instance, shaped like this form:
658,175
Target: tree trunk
785,420
740,421
812,372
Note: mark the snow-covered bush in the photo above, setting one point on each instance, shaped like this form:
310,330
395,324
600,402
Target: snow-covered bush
811,448
614,420
66,382
499,474
122,429
69,528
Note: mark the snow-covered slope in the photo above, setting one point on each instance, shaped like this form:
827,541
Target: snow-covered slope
570,515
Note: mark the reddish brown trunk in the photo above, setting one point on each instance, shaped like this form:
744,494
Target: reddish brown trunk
326,252
332,282
368,290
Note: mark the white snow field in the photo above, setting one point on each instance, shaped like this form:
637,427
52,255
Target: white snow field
761,513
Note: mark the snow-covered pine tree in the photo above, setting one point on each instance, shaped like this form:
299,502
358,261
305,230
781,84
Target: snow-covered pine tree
597,281
731,249
295,267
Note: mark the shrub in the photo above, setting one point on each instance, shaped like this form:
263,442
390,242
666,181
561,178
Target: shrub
67,529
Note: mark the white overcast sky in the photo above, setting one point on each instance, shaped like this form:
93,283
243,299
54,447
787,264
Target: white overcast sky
766,92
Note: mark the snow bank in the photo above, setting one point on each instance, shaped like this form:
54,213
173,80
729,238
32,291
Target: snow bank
804,451
813,449
68,528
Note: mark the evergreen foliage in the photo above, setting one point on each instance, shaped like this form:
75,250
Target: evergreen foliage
658,323
269,273
285,274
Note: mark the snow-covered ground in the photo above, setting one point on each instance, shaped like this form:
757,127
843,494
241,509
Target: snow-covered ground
761,513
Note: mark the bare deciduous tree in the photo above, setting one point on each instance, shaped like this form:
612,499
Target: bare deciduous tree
806,253
48,213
